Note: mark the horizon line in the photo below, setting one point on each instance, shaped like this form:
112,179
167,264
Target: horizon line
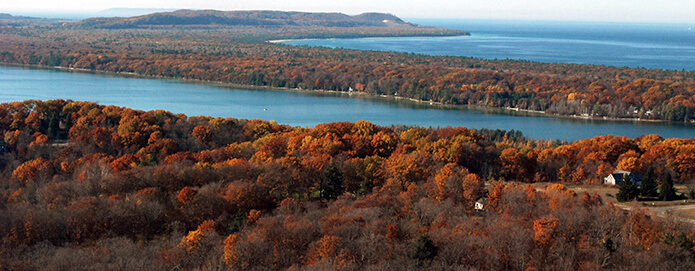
86,13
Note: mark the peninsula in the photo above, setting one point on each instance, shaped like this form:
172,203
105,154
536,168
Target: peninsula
302,24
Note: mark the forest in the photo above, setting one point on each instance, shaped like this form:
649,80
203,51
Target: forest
241,55
85,186
94,187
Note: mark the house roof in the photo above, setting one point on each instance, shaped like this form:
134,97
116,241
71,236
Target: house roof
635,176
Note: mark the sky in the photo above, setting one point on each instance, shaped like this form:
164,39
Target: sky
681,11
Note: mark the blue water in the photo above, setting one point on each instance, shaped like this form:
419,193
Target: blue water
297,108
657,46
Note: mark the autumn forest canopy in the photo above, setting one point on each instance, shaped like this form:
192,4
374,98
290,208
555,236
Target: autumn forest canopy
201,192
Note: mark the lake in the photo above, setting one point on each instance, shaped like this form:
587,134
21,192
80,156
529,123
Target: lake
297,108
647,45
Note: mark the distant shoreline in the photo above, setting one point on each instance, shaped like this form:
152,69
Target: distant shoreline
364,38
514,109
504,110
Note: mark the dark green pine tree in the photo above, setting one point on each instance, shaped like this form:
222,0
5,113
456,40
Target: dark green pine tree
666,190
423,249
626,190
332,183
53,128
649,187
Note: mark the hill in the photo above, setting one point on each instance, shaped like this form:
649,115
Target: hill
246,18
9,20
6,16
129,12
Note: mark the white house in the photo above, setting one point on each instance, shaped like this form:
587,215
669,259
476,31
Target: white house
480,204
617,176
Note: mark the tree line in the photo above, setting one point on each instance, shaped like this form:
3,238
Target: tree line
88,186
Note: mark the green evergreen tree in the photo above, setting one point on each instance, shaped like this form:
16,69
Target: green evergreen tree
151,160
649,188
53,129
666,190
424,249
332,184
627,191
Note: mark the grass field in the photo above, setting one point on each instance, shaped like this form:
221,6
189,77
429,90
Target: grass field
688,213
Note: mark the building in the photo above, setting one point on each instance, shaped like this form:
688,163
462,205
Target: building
617,176
480,204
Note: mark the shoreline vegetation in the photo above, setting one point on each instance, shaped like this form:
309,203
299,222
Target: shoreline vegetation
177,47
599,92
505,110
